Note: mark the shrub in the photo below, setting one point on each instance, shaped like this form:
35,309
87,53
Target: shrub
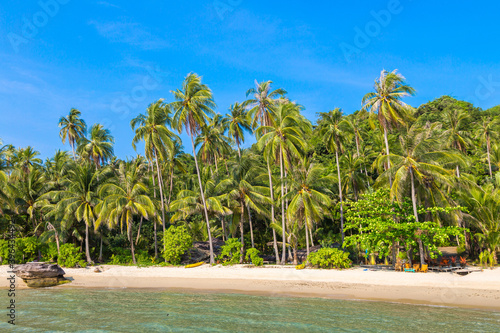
230,252
177,241
49,252
330,258
485,257
253,255
120,256
70,256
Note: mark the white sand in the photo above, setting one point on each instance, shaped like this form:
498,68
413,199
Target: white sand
478,289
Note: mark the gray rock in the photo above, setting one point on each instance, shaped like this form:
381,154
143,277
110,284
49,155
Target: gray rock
38,274
201,252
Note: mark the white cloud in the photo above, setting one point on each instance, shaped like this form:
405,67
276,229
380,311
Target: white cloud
129,33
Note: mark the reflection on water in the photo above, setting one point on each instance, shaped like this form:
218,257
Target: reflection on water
126,310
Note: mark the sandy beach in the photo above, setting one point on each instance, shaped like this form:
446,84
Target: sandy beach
476,290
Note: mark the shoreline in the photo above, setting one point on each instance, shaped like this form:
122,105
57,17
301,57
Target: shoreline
478,290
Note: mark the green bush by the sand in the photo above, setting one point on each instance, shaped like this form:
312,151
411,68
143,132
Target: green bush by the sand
26,249
253,255
177,241
230,252
330,258
70,255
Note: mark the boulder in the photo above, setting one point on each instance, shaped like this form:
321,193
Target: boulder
201,252
39,274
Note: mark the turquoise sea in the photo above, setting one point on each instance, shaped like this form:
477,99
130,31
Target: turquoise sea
129,310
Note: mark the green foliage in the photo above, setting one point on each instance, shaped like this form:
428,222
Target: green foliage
70,256
230,253
379,222
177,241
253,255
330,258
486,257
49,252
121,256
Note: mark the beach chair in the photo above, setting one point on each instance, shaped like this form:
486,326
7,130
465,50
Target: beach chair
416,267
424,268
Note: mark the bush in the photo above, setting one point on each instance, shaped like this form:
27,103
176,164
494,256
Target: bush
49,252
253,255
177,241
330,258
230,252
120,256
70,256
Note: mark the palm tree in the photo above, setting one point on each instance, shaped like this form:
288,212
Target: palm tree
333,130
261,108
386,102
125,199
309,197
72,128
419,162
212,141
454,136
263,102
284,140
193,105
239,121
246,195
26,158
99,148
80,197
354,178
488,129
151,128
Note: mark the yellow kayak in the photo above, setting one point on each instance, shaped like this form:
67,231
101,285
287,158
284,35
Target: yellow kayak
195,265
301,266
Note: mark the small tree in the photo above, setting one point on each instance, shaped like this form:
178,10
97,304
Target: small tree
177,241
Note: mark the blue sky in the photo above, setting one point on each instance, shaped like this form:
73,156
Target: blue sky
111,59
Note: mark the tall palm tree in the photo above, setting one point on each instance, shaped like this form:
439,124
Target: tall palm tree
354,178
487,130
193,105
239,121
99,147
152,129
123,200
282,141
333,129
386,103
261,106
72,128
309,197
26,158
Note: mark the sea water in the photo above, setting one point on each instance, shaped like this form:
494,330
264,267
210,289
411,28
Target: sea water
131,310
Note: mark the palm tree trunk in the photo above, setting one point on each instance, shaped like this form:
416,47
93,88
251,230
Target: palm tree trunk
415,212
295,259
239,151
222,221
139,231
387,152
72,144
131,240
87,251
340,196
413,196
458,171
204,204
307,241
100,251
283,226
154,220
251,226
242,221
160,185
488,143
311,235
271,188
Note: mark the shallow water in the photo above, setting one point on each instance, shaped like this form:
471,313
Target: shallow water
126,310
